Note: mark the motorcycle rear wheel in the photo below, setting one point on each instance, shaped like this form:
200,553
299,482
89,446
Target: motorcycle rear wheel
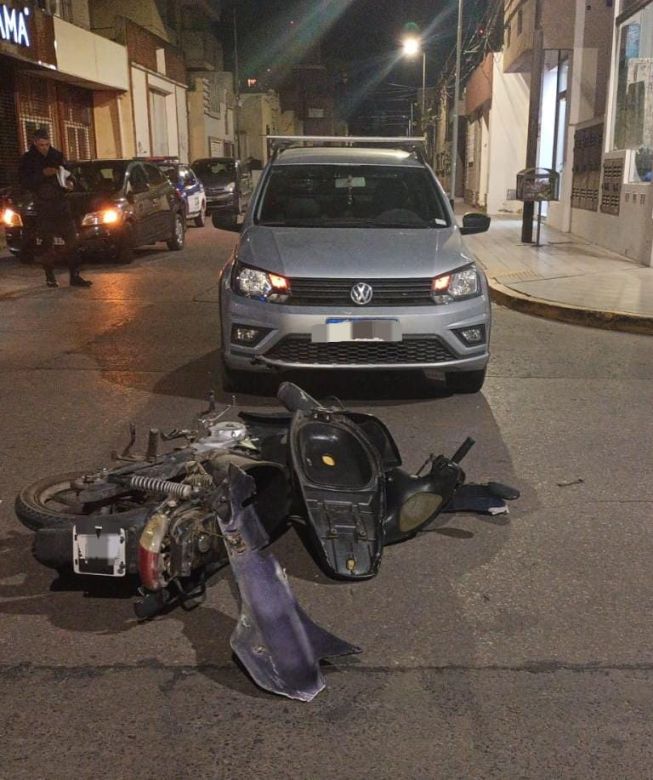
49,503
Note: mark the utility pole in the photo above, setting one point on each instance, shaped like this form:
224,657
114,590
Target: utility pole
423,114
236,89
456,99
534,117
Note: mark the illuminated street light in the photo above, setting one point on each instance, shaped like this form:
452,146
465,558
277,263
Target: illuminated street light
412,46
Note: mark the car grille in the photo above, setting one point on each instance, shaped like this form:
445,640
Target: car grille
413,349
337,292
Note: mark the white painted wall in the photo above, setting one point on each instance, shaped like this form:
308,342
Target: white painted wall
90,57
507,136
182,124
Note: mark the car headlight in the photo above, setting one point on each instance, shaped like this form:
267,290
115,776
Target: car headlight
104,217
230,187
11,218
261,285
457,285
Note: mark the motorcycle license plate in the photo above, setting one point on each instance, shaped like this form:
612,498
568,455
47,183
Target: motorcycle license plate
360,329
101,553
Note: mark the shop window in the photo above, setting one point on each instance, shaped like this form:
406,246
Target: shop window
36,103
633,115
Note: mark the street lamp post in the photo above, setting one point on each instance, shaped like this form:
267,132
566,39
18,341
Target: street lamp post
454,140
412,47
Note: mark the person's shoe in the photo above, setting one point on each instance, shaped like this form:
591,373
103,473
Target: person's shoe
77,281
51,279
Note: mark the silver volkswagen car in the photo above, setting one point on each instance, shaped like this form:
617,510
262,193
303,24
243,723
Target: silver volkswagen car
350,257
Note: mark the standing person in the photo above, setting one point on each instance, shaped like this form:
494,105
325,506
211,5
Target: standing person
38,173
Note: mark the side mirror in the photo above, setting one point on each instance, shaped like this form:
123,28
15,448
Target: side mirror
225,222
475,222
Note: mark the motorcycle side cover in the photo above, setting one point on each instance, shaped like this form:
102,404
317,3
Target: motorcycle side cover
279,645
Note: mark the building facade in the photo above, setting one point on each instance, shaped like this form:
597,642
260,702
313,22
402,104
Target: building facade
496,105
609,199
596,120
56,73
157,77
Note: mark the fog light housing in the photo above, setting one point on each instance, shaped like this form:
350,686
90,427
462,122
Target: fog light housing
472,336
247,335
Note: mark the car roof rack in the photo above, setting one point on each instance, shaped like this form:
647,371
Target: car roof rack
414,144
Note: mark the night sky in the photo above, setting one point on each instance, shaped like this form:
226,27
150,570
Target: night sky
359,40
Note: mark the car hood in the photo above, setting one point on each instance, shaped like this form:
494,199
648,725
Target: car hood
348,253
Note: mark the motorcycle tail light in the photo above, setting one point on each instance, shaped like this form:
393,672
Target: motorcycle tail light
151,557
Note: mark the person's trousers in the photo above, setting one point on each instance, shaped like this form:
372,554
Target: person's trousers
62,226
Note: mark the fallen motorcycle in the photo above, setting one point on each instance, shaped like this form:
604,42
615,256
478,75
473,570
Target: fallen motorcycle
172,519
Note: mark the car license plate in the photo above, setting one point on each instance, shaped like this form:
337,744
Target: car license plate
57,241
361,329
100,553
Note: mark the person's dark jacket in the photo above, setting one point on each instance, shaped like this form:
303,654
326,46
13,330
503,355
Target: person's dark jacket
49,196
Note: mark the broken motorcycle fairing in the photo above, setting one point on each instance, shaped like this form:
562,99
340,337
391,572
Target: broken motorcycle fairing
278,644
340,477
356,498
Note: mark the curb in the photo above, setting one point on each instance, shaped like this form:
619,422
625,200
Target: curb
591,318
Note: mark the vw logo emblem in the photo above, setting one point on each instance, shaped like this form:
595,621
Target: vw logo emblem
361,293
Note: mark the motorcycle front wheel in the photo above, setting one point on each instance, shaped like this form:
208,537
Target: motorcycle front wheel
52,503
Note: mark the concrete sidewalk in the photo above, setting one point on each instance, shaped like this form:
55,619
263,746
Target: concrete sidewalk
566,278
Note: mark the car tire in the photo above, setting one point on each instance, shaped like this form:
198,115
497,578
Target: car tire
125,252
465,382
200,219
176,242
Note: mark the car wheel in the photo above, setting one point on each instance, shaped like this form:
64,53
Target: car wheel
125,253
200,219
179,233
465,381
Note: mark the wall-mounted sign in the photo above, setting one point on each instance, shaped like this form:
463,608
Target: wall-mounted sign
13,25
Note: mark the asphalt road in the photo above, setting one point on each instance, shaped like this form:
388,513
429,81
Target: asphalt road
511,647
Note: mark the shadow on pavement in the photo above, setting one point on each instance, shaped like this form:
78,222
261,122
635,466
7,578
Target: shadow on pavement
198,377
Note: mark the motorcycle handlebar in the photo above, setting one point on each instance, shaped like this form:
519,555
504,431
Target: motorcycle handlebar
295,399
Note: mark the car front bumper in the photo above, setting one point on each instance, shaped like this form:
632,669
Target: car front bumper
429,336
95,239
224,203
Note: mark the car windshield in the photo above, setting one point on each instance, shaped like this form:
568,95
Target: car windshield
105,177
351,196
215,171
170,171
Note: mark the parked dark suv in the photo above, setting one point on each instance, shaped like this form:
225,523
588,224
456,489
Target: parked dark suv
117,205
227,185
